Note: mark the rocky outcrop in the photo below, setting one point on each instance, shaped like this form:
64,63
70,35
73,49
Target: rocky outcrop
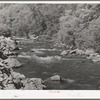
8,46
33,84
14,80
9,79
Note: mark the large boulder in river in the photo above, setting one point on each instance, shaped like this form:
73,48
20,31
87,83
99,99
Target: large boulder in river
89,52
56,78
59,78
77,51
58,82
96,58
11,62
92,56
80,52
65,52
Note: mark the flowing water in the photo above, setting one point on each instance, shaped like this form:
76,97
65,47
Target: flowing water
85,73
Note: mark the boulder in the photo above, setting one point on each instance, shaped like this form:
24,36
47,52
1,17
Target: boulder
96,58
1,75
73,51
89,52
9,87
1,79
92,56
1,63
63,53
11,62
17,75
80,52
33,84
56,78
77,51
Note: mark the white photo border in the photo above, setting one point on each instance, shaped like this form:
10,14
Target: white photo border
50,94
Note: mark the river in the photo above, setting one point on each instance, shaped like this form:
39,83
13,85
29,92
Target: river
85,73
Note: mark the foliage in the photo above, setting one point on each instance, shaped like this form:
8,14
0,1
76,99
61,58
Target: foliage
83,23
75,25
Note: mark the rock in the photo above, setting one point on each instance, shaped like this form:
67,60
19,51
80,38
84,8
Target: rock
29,87
5,76
20,48
1,75
77,51
11,62
69,81
92,56
17,75
1,79
96,58
9,79
9,87
1,64
63,53
7,45
6,71
34,84
80,52
1,87
35,80
73,51
56,78
89,52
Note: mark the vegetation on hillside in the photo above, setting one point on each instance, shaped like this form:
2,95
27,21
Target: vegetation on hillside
74,25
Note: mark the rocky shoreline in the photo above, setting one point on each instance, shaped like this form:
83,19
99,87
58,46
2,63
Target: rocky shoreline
89,54
9,79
